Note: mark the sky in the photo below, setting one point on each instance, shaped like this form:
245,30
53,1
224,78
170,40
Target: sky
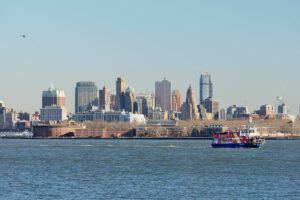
250,48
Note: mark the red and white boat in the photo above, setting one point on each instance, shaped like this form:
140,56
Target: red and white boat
245,138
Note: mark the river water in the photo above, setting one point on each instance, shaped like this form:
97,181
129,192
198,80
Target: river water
147,169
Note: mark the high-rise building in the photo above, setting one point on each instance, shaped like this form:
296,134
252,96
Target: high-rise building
283,109
120,94
189,110
222,114
104,99
53,97
129,98
163,95
112,101
144,103
176,100
2,115
211,106
86,95
24,116
230,112
8,117
206,87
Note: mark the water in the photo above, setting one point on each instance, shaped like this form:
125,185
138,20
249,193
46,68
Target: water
147,169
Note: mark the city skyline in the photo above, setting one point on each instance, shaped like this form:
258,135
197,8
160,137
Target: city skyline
250,48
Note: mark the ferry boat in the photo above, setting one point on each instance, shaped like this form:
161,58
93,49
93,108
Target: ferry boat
245,138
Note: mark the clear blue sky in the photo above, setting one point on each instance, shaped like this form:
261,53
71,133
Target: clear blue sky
251,48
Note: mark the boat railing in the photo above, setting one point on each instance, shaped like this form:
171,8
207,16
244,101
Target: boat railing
258,141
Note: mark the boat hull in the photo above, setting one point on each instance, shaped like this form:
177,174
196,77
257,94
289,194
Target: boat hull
242,145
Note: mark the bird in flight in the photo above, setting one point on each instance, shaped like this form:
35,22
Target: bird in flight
23,36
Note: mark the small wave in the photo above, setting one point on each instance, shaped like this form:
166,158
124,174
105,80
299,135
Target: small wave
75,145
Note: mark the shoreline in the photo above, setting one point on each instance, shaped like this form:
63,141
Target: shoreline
131,138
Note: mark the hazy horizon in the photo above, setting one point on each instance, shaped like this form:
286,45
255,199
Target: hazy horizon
251,49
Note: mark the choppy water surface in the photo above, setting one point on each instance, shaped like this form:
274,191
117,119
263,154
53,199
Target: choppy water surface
147,169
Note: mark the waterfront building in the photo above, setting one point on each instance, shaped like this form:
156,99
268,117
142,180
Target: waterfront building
163,95
111,116
23,125
120,94
212,108
189,110
86,94
52,97
53,113
176,100
206,87
129,99
158,114
104,99
267,111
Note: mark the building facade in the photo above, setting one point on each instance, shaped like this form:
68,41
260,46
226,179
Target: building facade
2,115
283,109
189,110
54,97
212,107
129,99
163,95
176,100
206,87
8,117
120,94
104,99
86,94
112,116
267,111
53,113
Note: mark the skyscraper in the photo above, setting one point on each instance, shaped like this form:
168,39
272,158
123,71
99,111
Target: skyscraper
144,103
212,107
163,95
112,101
206,87
190,109
53,97
129,98
2,115
86,94
104,99
120,94
176,100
